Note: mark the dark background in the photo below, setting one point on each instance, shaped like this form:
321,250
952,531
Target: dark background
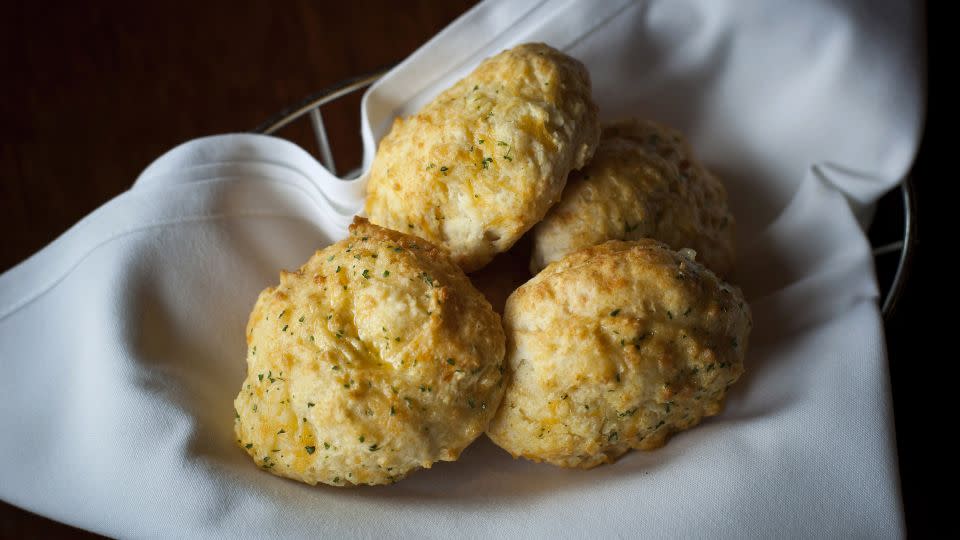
92,94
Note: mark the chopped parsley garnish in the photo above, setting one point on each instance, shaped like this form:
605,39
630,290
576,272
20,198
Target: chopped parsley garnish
615,312
281,432
330,258
248,446
444,170
393,411
374,448
451,361
386,273
365,274
311,404
310,449
638,339
284,329
361,438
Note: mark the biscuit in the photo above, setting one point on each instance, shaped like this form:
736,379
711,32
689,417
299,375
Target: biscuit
375,358
484,161
614,347
643,182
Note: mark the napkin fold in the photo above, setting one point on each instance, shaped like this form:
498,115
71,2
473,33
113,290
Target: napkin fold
122,341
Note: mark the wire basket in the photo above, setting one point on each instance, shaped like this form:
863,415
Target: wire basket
904,246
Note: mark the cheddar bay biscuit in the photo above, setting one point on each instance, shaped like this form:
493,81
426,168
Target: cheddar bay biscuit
375,358
614,347
643,182
484,161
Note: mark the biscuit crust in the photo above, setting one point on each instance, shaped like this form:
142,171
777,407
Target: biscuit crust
375,358
485,160
616,346
643,182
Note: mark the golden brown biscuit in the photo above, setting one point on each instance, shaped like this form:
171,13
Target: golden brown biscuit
614,347
643,182
375,358
484,161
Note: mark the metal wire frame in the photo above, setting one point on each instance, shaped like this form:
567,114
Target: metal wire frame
310,107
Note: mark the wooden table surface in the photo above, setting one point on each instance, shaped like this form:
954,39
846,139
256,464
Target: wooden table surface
94,92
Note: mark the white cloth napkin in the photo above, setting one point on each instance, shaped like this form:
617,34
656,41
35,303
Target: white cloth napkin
121,343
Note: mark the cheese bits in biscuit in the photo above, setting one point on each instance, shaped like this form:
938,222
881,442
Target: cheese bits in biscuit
483,162
643,182
614,347
375,358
